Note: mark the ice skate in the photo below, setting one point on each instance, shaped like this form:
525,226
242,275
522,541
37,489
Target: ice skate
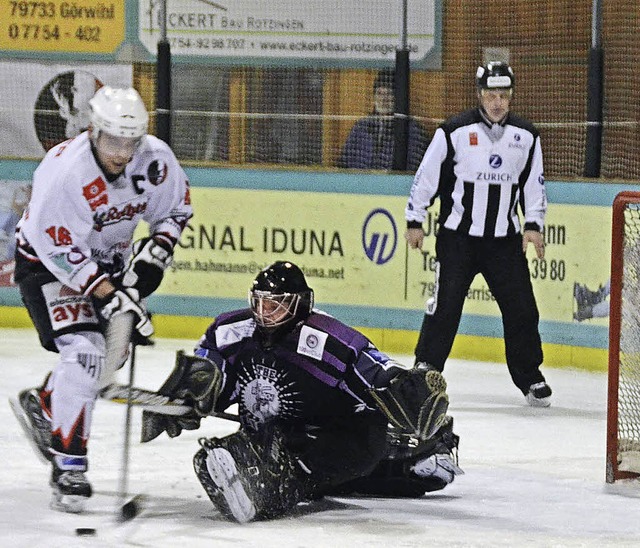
32,416
71,489
539,395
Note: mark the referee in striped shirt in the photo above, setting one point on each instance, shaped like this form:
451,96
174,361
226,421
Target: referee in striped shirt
484,164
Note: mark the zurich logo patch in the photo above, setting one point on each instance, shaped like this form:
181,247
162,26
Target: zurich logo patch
495,161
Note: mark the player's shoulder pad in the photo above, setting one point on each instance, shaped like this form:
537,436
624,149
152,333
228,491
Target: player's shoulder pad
156,149
231,327
154,144
70,162
323,333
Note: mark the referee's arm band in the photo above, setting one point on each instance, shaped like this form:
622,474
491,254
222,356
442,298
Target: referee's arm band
532,226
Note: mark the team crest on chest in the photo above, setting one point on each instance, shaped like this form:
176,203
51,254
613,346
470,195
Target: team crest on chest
266,393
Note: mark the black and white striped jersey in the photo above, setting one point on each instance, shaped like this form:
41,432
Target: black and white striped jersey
483,174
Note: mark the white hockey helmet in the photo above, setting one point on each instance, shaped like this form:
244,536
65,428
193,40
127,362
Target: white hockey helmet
119,112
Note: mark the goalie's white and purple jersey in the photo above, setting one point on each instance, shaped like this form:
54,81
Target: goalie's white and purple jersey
79,223
320,371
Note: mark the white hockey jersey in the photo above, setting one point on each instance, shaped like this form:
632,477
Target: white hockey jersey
80,225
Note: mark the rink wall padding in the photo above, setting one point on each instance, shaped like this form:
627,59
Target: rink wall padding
345,229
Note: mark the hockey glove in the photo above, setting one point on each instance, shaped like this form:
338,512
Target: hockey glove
148,261
126,300
194,379
415,401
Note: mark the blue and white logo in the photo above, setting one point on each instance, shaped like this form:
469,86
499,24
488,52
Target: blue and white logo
495,161
379,236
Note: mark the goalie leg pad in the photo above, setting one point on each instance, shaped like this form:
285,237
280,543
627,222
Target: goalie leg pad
441,468
412,467
216,469
248,480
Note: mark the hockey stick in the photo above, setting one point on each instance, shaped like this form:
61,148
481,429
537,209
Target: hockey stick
118,347
125,511
153,401
146,399
118,337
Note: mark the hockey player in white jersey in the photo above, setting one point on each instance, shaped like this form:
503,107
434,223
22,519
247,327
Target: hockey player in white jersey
77,267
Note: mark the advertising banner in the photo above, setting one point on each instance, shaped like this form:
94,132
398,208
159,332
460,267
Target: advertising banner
352,249
81,26
368,30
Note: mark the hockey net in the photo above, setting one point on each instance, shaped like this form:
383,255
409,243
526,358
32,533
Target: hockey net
623,416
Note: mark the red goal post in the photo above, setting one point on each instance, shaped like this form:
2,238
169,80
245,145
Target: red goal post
623,399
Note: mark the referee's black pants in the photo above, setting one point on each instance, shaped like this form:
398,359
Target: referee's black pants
505,269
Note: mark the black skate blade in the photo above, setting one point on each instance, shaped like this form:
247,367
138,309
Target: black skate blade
17,410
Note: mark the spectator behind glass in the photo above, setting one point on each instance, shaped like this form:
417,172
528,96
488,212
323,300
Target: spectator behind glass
370,142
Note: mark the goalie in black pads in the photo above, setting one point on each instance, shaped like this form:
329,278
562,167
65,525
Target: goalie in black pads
322,411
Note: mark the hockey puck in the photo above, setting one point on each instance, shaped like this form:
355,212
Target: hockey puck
85,531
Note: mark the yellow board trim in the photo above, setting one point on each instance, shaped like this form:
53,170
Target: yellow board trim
465,347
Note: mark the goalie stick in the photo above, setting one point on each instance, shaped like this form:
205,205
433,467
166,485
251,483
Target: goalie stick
146,399
153,401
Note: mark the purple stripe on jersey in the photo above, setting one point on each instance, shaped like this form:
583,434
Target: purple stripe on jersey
303,363
348,336
332,360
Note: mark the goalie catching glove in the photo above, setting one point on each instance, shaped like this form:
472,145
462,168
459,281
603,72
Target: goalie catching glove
195,380
149,259
415,401
123,301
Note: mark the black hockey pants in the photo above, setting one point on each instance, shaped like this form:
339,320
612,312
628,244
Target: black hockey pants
505,269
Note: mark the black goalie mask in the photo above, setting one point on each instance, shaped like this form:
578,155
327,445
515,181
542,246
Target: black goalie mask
280,297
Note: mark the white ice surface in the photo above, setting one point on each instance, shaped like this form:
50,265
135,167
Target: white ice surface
534,477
